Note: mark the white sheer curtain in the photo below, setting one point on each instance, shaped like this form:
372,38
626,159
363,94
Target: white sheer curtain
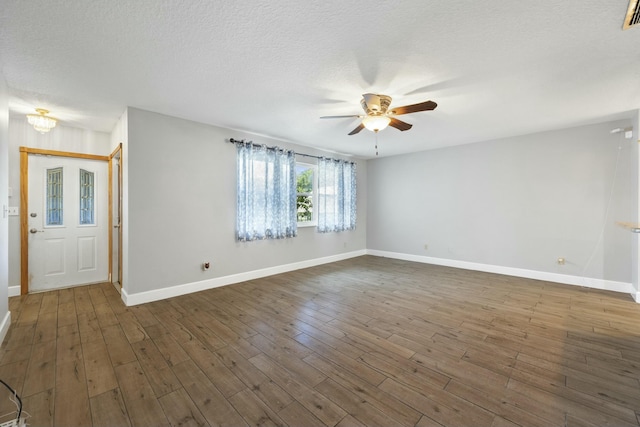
336,195
266,185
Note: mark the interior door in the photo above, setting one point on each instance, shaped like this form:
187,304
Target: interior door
68,222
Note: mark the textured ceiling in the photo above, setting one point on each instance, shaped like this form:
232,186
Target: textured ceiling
496,68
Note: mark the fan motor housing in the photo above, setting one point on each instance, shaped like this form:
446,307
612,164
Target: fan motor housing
374,104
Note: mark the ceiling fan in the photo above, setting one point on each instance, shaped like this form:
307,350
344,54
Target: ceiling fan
378,115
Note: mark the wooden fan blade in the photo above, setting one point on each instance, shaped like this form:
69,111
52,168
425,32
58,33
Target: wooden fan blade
358,129
414,108
399,124
339,117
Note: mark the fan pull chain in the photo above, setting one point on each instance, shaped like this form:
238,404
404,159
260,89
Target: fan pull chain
376,143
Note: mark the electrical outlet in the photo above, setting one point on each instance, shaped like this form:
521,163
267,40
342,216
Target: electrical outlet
13,211
206,265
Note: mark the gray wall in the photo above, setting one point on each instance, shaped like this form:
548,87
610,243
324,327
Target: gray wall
4,201
181,202
519,202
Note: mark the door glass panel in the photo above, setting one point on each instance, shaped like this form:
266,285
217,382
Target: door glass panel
87,211
54,197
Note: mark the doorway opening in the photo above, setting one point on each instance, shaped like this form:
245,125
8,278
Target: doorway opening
115,212
66,214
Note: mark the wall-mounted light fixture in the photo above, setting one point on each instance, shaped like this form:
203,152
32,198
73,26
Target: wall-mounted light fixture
41,122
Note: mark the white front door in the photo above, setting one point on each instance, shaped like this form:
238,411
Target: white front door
68,222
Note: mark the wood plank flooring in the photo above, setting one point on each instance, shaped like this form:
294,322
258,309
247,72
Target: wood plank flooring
367,341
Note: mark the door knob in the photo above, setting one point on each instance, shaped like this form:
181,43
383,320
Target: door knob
34,231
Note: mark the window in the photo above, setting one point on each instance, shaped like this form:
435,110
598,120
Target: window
275,194
87,188
305,194
266,184
54,197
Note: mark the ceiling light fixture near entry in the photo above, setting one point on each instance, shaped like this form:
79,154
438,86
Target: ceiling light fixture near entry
41,122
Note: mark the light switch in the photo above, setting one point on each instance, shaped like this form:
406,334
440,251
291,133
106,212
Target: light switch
13,211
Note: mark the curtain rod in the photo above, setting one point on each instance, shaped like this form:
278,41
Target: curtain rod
233,141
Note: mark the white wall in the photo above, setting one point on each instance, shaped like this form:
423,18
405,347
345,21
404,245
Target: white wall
60,138
181,199
512,205
5,315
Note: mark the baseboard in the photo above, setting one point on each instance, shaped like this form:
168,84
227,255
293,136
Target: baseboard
4,326
588,282
187,288
14,291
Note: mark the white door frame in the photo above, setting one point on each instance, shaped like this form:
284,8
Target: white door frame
24,205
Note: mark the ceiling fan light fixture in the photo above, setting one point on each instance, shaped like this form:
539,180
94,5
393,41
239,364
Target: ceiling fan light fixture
376,123
41,122
378,115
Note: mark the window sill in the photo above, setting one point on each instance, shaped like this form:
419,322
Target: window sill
307,224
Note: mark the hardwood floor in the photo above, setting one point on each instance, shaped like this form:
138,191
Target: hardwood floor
367,341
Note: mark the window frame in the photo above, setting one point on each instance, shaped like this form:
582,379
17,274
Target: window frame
93,207
48,197
314,194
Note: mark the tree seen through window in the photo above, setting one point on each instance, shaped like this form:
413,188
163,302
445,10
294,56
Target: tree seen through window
304,189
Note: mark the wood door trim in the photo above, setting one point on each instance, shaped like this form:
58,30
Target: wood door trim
24,205
29,150
113,155
24,222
